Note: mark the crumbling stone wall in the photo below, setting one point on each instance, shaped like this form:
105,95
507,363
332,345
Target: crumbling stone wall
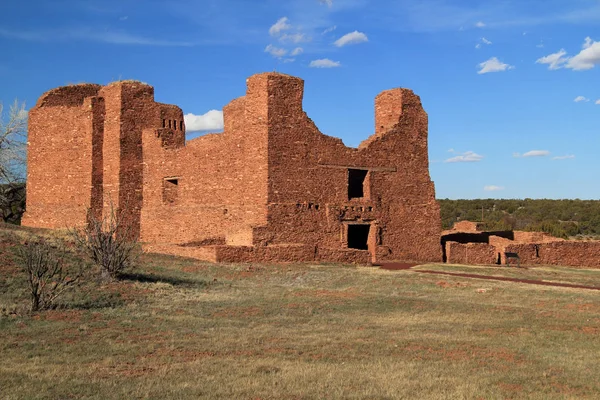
566,253
470,253
270,187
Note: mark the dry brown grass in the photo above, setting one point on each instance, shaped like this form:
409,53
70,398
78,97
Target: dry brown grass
179,328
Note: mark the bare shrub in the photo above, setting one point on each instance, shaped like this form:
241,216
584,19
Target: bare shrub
108,242
47,272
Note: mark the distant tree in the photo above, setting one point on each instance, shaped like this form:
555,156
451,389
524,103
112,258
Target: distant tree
13,161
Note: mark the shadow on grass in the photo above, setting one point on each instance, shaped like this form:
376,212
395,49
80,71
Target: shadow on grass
151,278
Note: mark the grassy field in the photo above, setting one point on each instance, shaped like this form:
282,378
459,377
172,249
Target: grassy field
179,328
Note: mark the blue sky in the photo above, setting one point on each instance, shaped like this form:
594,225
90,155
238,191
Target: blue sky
512,87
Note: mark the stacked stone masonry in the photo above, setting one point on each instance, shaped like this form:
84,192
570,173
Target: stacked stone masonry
464,244
271,187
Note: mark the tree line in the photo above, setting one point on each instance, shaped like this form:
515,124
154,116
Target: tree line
560,218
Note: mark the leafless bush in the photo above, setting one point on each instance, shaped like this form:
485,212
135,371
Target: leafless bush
47,273
108,242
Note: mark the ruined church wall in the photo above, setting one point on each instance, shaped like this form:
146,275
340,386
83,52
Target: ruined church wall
59,175
222,178
308,178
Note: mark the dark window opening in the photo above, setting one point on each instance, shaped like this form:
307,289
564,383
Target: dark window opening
164,123
170,190
174,125
169,124
358,237
537,250
180,125
356,183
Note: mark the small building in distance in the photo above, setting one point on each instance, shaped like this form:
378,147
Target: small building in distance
271,187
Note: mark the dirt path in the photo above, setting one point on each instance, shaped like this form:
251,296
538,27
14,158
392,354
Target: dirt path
404,266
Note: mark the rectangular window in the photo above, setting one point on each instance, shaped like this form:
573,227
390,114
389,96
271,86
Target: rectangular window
356,183
180,125
170,190
358,236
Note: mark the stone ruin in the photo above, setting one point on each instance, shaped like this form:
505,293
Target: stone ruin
469,243
271,187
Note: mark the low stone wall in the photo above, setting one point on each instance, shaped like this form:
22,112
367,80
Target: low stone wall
470,253
567,253
265,254
343,256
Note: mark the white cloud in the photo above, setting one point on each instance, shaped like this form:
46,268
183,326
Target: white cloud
450,150
330,29
533,153
579,99
586,59
493,65
569,156
468,156
480,24
211,121
598,102
275,51
297,51
493,188
351,38
294,38
324,63
555,60
482,41
329,3
279,26
540,46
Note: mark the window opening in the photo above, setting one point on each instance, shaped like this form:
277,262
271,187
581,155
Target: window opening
170,190
356,183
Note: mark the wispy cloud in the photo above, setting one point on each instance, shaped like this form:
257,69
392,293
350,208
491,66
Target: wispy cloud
586,59
598,102
210,121
87,34
468,156
483,41
579,99
567,157
297,51
276,52
493,188
532,153
328,3
351,38
480,24
493,65
330,29
279,26
324,63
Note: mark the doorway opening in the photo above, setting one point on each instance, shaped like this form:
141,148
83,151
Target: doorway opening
358,236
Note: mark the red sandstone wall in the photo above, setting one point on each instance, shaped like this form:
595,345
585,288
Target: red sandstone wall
470,253
308,196
222,178
567,253
270,179
59,174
